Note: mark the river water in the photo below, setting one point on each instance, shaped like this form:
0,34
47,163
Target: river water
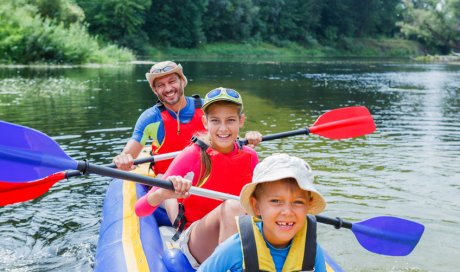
408,168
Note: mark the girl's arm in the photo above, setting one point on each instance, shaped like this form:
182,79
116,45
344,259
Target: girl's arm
187,161
147,204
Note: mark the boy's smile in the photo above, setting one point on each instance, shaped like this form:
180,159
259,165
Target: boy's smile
283,209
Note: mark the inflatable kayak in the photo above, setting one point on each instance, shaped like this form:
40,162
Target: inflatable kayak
129,243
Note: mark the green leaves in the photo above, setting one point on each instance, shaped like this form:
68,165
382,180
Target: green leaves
28,37
434,23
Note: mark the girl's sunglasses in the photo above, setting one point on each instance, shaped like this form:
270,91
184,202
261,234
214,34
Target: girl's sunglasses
222,94
222,91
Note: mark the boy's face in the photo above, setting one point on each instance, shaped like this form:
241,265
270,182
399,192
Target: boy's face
283,210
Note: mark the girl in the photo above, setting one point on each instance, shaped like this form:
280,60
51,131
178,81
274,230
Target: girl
218,163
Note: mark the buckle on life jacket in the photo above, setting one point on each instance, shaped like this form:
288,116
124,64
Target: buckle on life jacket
152,163
198,102
179,222
239,143
203,146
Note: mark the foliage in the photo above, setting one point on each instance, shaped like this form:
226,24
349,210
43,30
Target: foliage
261,51
26,38
57,30
61,10
176,23
434,23
293,20
221,17
355,18
119,21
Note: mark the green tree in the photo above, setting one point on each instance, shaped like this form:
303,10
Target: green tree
176,23
373,18
119,21
65,11
356,18
27,37
434,23
231,20
288,20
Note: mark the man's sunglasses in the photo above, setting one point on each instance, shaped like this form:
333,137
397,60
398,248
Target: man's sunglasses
162,70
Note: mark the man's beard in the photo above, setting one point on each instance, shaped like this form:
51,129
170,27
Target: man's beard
180,93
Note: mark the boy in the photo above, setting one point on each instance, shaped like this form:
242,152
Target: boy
277,235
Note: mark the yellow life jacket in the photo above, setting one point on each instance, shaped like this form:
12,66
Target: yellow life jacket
256,254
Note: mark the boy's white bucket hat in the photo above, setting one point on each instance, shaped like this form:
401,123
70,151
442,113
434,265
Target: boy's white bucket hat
280,166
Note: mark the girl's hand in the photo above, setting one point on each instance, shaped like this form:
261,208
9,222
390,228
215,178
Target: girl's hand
181,188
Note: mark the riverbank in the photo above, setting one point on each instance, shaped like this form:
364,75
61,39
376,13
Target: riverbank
347,47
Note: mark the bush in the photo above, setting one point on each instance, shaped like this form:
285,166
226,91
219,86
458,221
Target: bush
25,37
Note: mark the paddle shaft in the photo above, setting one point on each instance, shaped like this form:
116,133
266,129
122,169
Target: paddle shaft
280,135
86,167
161,157
336,222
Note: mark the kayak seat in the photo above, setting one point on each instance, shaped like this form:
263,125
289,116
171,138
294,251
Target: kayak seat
173,258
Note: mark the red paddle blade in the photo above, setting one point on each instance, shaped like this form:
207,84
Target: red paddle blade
343,123
13,192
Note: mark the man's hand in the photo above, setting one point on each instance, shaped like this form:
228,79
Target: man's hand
124,162
254,138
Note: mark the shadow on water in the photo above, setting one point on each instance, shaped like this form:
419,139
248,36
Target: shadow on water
407,168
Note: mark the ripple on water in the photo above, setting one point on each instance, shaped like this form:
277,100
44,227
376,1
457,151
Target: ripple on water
407,168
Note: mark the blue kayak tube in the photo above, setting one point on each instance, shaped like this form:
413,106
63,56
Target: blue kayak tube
131,243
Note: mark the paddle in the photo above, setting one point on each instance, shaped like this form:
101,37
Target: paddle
385,235
28,154
336,124
13,192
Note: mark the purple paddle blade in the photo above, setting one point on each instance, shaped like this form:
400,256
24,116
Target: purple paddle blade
387,235
27,154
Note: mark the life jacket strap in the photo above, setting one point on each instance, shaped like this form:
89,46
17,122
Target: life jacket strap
251,259
198,102
250,256
310,245
152,163
179,222
161,107
203,146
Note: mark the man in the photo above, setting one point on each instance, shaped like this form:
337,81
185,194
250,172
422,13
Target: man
170,123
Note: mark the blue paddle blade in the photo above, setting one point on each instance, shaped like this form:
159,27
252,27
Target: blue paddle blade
27,154
387,235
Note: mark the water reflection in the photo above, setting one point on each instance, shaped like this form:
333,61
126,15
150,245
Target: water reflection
407,168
